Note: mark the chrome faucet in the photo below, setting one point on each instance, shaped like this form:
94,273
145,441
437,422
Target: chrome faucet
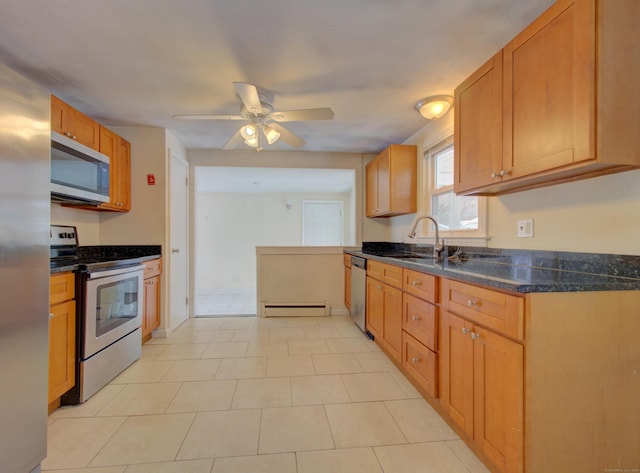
438,246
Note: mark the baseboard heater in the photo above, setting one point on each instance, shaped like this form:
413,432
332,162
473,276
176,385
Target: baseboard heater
293,309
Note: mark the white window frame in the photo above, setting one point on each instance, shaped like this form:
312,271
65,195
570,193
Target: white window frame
425,228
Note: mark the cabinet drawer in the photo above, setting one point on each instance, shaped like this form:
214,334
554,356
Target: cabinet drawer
420,285
500,312
419,318
420,363
387,273
347,260
152,268
61,287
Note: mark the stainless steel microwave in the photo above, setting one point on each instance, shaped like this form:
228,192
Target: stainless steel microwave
79,174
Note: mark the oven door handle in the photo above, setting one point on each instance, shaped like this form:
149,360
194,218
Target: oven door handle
115,271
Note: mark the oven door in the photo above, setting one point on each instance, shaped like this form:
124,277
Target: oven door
113,307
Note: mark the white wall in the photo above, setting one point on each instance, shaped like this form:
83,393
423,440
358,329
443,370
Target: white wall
229,227
87,222
598,215
295,159
145,223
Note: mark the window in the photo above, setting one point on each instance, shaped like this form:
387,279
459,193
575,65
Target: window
457,216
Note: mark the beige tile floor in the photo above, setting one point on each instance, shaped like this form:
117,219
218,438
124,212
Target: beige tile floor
231,395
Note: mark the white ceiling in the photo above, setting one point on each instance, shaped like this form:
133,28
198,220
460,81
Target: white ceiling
139,62
245,179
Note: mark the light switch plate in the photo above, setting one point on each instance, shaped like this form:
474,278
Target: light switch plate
525,228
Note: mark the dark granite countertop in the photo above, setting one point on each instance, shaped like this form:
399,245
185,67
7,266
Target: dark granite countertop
125,254
521,271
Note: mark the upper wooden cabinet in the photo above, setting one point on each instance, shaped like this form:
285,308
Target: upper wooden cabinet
119,151
478,136
569,102
392,181
69,122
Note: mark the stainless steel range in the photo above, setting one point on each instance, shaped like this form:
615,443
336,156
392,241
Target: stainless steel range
109,305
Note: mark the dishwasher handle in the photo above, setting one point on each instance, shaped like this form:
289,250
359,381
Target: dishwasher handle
359,262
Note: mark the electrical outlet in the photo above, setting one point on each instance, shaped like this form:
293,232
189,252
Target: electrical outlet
525,228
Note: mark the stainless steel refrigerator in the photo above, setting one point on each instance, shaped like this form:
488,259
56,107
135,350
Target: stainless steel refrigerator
24,271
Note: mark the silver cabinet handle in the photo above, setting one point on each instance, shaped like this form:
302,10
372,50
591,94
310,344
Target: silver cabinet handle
415,318
471,303
415,360
474,336
493,175
504,173
415,283
50,316
465,330
175,250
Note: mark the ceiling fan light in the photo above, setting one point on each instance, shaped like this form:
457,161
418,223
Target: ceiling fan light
270,134
248,132
434,107
251,141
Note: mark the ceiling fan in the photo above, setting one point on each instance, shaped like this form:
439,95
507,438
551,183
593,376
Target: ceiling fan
264,121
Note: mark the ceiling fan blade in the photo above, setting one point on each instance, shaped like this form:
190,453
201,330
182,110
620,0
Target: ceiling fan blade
208,117
303,115
288,137
234,141
249,96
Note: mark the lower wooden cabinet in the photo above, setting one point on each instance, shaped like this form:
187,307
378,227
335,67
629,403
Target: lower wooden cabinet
151,312
481,389
419,341
62,336
481,356
347,281
420,364
384,316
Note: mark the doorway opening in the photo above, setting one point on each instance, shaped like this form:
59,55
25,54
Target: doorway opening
237,209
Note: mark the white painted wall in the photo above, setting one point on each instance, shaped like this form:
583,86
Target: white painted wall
229,227
146,223
87,222
598,215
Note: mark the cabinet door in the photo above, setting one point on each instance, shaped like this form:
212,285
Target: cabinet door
374,307
549,91
151,317
478,127
84,129
384,182
347,287
456,370
58,112
123,174
372,188
498,399
392,321
119,178
68,121
62,348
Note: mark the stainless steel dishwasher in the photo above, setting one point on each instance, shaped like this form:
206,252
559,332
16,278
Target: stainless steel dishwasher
358,291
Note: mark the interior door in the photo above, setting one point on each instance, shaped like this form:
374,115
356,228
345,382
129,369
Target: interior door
322,223
178,242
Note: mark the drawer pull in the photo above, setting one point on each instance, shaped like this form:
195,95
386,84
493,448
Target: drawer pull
50,316
474,336
471,303
415,360
465,331
415,318
415,283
